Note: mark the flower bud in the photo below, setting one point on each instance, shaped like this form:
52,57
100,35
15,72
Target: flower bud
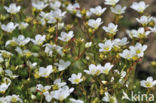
104,82
96,100
7,64
51,29
28,19
101,91
83,11
153,63
69,27
33,97
36,75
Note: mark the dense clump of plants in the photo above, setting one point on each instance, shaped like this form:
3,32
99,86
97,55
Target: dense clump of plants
55,53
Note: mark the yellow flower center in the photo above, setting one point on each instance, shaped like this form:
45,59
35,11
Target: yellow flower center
138,51
28,54
61,97
13,99
98,72
106,71
44,90
107,48
77,80
148,84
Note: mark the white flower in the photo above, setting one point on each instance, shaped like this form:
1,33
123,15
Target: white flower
62,93
48,96
98,11
112,28
76,79
39,39
144,20
139,6
94,70
153,29
66,36
62,65
112,79
111,2
105,47
120,42
72,100
10,74
108,98
58,49
154,20
14,99
73,8
49,49
20,40
148,83
45,72
59,84
58,14
42,21
55,5
104,82
140,33
138,49
13,9
23,25
4,86
95,23
31,65
5,53
118,9
39,5
48,17
25,52
88,14
131,33
122,75
88,44
60,26
127,54
3,100
78,14
42,88
106,68
9,27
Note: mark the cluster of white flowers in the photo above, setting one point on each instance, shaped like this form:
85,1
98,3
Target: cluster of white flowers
97,70
48,56
11,99
116,43
135,52
20,41
61,90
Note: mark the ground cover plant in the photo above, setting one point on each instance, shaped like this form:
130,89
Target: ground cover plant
55,51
